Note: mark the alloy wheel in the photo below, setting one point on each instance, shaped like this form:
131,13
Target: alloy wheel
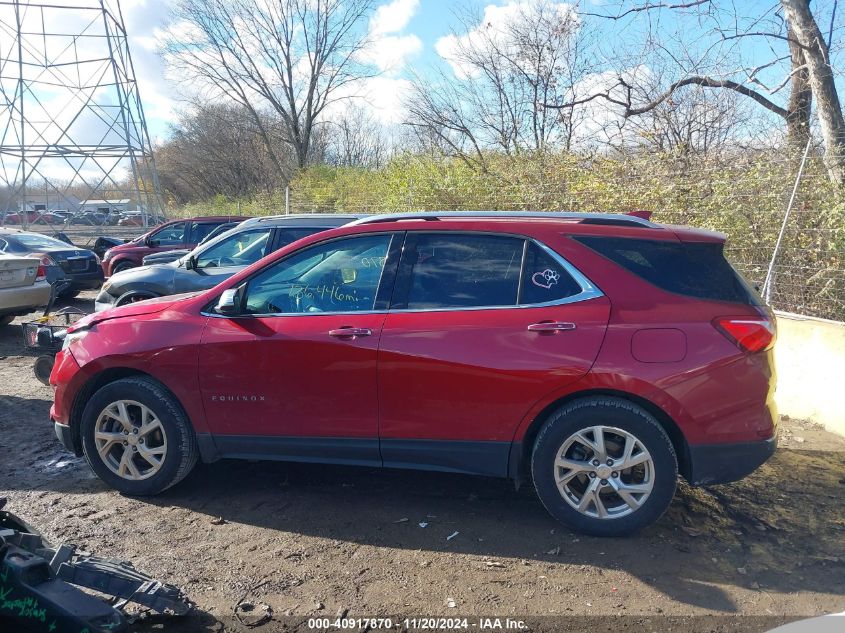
130,440
604,472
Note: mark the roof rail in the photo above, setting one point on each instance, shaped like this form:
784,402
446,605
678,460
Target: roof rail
592,218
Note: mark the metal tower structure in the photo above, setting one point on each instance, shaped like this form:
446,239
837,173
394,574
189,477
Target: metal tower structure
72,129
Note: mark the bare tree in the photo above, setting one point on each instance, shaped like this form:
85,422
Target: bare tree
217,150
800,58
293,57
356,139
502,75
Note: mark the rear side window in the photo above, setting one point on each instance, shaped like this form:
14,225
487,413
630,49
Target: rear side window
463,271
545,279
693,269
289,236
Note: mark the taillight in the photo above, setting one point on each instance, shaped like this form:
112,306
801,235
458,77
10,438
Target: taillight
41,274
753,334
46,260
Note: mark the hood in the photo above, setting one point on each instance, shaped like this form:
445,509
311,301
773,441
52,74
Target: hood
141,308
156,277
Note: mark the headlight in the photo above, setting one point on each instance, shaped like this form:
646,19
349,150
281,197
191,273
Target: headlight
107,255
106,285
76,335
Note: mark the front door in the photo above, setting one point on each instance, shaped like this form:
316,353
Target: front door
482,328
295,375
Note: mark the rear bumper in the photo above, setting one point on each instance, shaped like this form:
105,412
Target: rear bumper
86,281
723,463
24,300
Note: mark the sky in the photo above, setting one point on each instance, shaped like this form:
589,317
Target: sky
405,33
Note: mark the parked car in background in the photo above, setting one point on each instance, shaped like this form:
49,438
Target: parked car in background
18,218
215,260
598,356
176,234
171,256
88,218
23,287
129,219
79,267
50,218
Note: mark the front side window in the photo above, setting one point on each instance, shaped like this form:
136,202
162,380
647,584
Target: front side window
338,276
464,271
544,278
171,235
241,249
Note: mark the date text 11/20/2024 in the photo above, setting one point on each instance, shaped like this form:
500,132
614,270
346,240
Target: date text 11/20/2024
419,624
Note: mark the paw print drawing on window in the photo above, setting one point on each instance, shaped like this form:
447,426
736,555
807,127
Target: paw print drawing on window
546,278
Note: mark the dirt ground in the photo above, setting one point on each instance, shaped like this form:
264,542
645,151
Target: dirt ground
323,541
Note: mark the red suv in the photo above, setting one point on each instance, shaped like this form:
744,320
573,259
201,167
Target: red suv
597,355
177,234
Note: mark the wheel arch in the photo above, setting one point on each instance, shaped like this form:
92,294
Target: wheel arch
520,455
95,382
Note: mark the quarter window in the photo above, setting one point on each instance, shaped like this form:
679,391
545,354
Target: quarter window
464,271
338,276
544,279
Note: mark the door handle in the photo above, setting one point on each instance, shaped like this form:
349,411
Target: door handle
350,332
551,326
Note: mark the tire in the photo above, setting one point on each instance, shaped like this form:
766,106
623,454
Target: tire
174,432
70,294
6,320
119,268
132,296
43,367
630,498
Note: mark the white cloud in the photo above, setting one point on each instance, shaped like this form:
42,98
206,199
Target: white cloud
494,27
393,16
390,53
388,49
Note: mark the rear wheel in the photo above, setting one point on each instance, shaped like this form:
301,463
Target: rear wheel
604,466
136,437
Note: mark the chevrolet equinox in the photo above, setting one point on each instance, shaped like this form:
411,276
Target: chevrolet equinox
597,355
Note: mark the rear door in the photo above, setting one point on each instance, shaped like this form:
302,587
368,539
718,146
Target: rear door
481,327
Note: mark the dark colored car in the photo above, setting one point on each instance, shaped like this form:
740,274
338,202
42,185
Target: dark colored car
166,257
215,260
597,356
78,267
176,234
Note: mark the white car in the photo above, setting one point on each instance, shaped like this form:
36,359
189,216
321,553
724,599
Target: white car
23,287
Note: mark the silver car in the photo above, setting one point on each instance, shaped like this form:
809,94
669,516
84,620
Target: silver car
215,260
21,288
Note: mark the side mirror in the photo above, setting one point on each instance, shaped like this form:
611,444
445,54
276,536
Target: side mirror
227,304
190,263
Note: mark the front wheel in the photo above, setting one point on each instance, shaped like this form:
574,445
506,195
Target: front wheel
119,268
136,437
604,466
